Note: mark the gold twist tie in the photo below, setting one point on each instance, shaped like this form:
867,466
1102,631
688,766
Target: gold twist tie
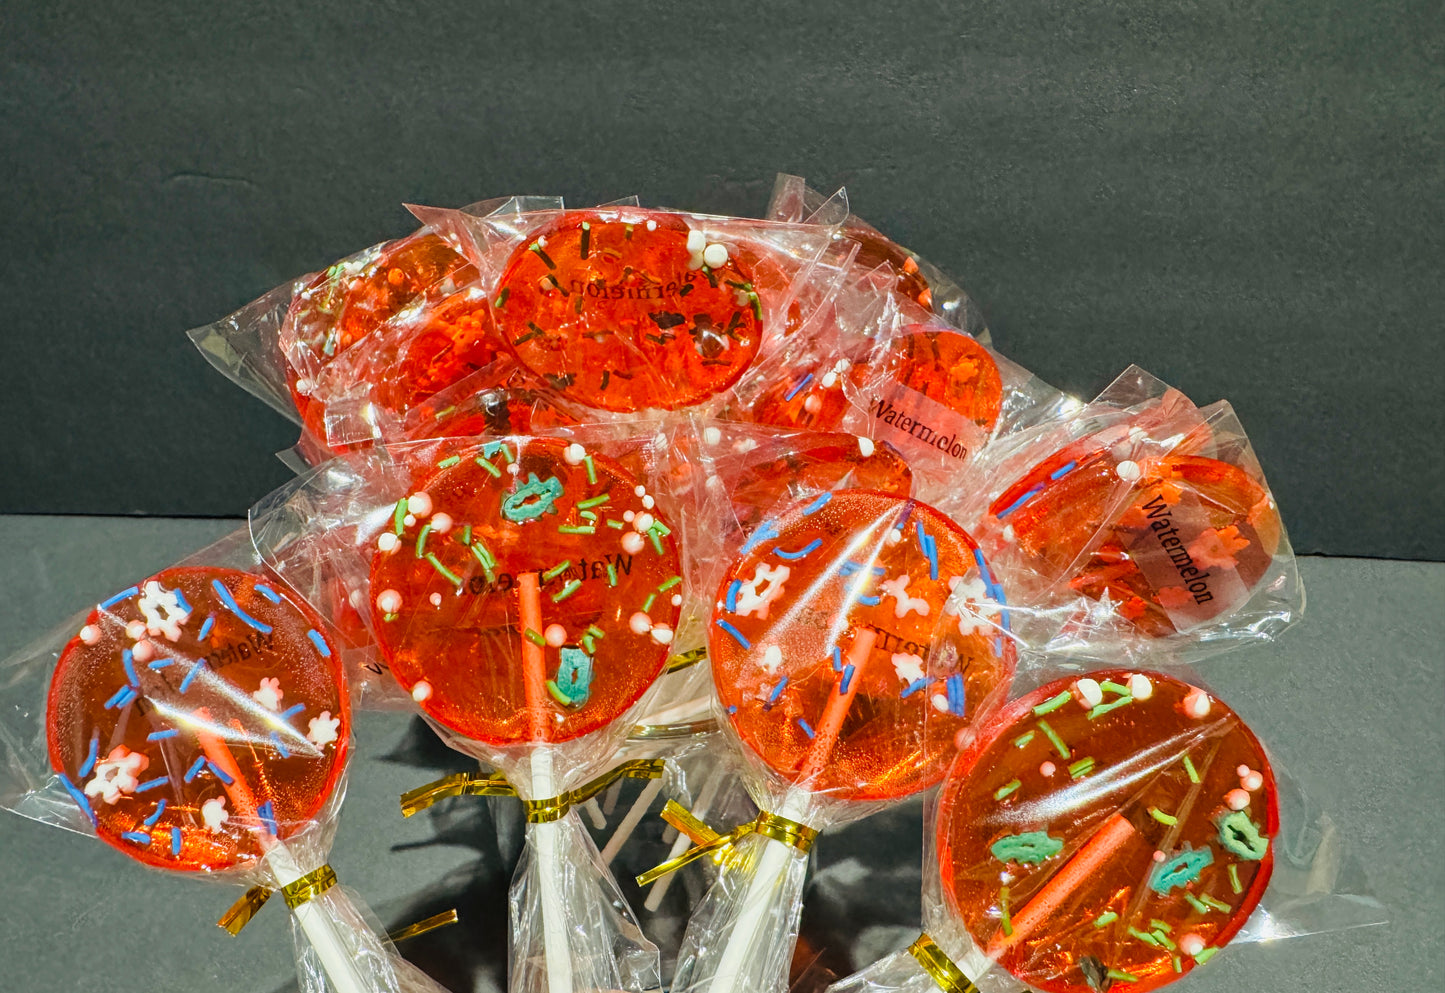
423,926
538,811
686,659
940,967
708,842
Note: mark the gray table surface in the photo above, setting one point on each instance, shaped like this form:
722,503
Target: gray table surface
1350,702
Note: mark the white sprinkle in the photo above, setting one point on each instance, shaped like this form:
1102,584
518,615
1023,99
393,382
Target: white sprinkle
574,454
136,630
632,543
1236,799
696,242
829,378
712,436
715,255
419,504
555,635
894,536
662,634
90,634
1091,692
940,702
772,658
865,446
1140,688
388,601
813,403
441,523
640,623
409,520
677,599
1191,945
628,515
1047,769
144,651
651,224
1196,704
1127,470
514,468
642,522
421,692
436,599
1253,781
388,542
648,502
639,490
1008,533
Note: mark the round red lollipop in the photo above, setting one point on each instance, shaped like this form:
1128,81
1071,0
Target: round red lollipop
1173,539
841,648
527,592
948,368
1113,829
626,311
197,714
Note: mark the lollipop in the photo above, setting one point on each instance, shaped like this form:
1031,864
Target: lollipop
527,595
625,314
856,636
200,721
1113,829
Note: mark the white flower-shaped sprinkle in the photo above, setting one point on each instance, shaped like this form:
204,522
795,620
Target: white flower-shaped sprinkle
322,730
117,775
270,693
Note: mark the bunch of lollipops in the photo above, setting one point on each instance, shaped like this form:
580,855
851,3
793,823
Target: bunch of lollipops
733,505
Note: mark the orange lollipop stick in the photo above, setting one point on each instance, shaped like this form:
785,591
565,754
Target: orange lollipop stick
831,725
534,660
218,753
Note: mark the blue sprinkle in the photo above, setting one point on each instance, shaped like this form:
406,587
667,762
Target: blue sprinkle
195,769
162,735
807,549
151,784
130,694
122,595
929,545
914,687
998,645
90,757
737,635
292,711
1020,502
870,601
136,837
767,531
732,709
155,814
955,689
280,745
191,676
219,772
837,654
320,643
79,797
798,386
848,671
119,698
235,607
849,567
181,599
176,842
267,592
159,664
127,659
206,627
267,813
777,691
807,728
731,600
1062,471
817,504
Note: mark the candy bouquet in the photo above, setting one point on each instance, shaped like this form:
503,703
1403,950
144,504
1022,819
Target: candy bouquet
620,491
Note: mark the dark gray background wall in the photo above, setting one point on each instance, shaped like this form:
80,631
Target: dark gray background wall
1245,198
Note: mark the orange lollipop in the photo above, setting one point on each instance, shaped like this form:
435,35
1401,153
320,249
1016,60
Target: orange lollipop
626,311
1111,829
197,714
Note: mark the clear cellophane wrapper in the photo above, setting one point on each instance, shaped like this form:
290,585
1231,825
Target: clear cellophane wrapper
1317,884
742,933
571,927
1141,526
216,831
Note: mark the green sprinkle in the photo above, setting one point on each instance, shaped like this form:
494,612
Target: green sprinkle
502,297
534,637
421,540
596,501
1168,820
448,463
615,524
669,584
1216,904
444,412
1148,939
1178,966
480,553
1189,768
591,471
1105,919
1194,902
1054,738
1155,924
467,535
1053,704
1204,956
1104,708
595,631
1080,768
398,517
1004,791
389,617
1023,740
572,586
589,645
1119,976
611,574
507,453
1114,687
556,570
535,332
656,539
496,473
436,564
1008,927
586,239
647,604
577,529
1164,940
588,515
537,247
1234,882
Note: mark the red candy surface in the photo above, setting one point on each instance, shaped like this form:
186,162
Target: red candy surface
526,593
197,715
624,314
838,653
1173,539
1115,830
875,248
829,462
948,368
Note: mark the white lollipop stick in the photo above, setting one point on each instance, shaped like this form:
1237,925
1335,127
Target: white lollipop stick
321,929
634,815
701,808
549,878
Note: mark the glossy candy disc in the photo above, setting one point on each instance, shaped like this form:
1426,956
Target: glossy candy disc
855,637
197,714
948,368
1108,831
1174,540
526,594
627,311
